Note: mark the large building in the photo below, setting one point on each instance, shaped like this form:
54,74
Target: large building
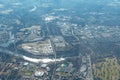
39,48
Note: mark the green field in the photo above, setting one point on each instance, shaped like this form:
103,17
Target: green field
108,69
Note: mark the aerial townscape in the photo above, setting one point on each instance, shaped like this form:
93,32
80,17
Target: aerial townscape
59,40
